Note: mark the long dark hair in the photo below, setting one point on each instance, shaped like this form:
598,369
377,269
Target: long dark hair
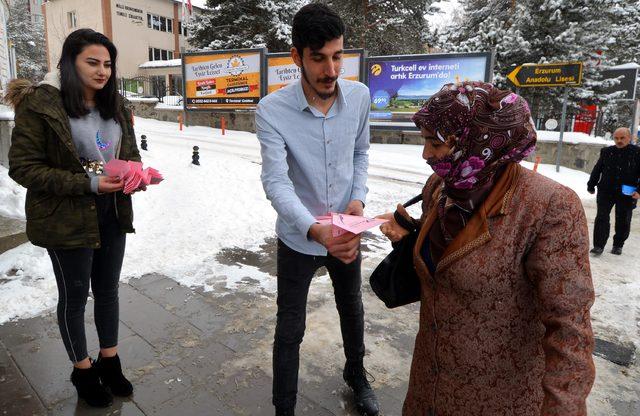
71,86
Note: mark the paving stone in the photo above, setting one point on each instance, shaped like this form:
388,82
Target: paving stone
158,386
202,361
44,362
136,356
621,354
138,282
22,332
185,303
78,407
194,402
17,398
247,391
151,321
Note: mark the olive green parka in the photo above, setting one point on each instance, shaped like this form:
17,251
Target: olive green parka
60,207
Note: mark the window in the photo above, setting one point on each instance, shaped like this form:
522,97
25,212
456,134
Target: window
182,29
157,54
160,23
72,19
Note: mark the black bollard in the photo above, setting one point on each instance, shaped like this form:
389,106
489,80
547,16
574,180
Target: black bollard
143,142
195,158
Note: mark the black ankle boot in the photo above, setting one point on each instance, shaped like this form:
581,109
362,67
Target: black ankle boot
364,397
111,375
281,411
87,383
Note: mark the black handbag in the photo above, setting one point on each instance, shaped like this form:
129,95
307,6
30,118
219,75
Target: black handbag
395,280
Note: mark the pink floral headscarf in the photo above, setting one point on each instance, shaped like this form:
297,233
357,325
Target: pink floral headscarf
489,127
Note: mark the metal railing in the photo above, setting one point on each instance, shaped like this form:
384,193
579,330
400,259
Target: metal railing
151,87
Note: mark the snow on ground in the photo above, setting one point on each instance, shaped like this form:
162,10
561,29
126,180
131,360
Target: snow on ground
571,137
198,210
11,196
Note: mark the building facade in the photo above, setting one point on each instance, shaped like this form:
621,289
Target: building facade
7,52
142,30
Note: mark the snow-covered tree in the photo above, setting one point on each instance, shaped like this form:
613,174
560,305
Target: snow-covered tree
384,27
541,31
27,36
229,24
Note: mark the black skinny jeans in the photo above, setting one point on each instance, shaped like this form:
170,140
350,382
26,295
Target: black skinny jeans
295,271
76,269
624,211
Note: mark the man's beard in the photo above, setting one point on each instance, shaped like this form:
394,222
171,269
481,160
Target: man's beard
322,95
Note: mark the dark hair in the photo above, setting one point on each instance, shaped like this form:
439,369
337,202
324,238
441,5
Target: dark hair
314,25
71,87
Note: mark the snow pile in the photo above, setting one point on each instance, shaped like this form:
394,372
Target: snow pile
6,113
12,196
571,137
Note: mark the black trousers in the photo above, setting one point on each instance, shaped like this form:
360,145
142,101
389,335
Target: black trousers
624,211
78,269
295,271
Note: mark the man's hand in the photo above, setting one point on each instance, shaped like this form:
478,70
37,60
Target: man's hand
109,184
635,195
355,207
591,190
392,229
345,248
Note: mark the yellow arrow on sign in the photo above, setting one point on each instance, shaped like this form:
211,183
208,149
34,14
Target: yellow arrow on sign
513,74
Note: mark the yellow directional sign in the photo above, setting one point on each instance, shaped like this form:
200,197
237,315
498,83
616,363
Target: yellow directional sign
564,74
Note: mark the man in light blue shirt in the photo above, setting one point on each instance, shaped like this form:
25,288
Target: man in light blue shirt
314,137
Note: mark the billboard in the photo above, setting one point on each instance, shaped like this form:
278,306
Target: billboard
399,85
229,79
627,76
282,71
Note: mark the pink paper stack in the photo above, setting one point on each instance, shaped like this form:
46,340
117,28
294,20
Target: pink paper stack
132,173
343,223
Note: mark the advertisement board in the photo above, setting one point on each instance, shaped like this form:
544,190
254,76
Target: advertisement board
230,79
282,71
399,85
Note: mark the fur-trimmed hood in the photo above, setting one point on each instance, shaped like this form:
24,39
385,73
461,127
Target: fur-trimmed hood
19,89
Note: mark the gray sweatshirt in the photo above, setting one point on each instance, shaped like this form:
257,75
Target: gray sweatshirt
96,141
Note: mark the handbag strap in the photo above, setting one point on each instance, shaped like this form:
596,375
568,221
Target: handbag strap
412,201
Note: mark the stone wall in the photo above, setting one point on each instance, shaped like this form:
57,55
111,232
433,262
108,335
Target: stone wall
579,156
241,120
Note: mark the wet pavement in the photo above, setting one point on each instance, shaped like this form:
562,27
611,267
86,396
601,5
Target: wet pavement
193,352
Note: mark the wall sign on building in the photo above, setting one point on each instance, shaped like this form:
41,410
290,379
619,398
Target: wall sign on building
230,79
129,12
282,71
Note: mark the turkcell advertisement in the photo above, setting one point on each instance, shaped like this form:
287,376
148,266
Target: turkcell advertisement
282,71
223,79
399,85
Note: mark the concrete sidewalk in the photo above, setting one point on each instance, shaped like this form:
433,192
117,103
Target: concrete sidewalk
12,233
190,352
186,352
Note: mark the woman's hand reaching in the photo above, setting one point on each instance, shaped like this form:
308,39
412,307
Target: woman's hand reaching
392,229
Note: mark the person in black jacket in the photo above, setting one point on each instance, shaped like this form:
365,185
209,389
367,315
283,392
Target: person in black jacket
617,166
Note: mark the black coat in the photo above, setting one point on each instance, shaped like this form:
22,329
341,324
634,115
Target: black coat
616,167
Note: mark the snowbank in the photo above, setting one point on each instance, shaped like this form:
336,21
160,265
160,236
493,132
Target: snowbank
571,137
12,196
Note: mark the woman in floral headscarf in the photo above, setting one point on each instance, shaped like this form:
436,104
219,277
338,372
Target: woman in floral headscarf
502,258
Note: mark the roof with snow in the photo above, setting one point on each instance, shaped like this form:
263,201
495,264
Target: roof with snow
171,63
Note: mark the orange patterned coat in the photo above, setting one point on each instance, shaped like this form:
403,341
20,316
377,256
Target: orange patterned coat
504,323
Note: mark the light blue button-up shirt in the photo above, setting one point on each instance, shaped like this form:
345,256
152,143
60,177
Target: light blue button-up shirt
312,164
